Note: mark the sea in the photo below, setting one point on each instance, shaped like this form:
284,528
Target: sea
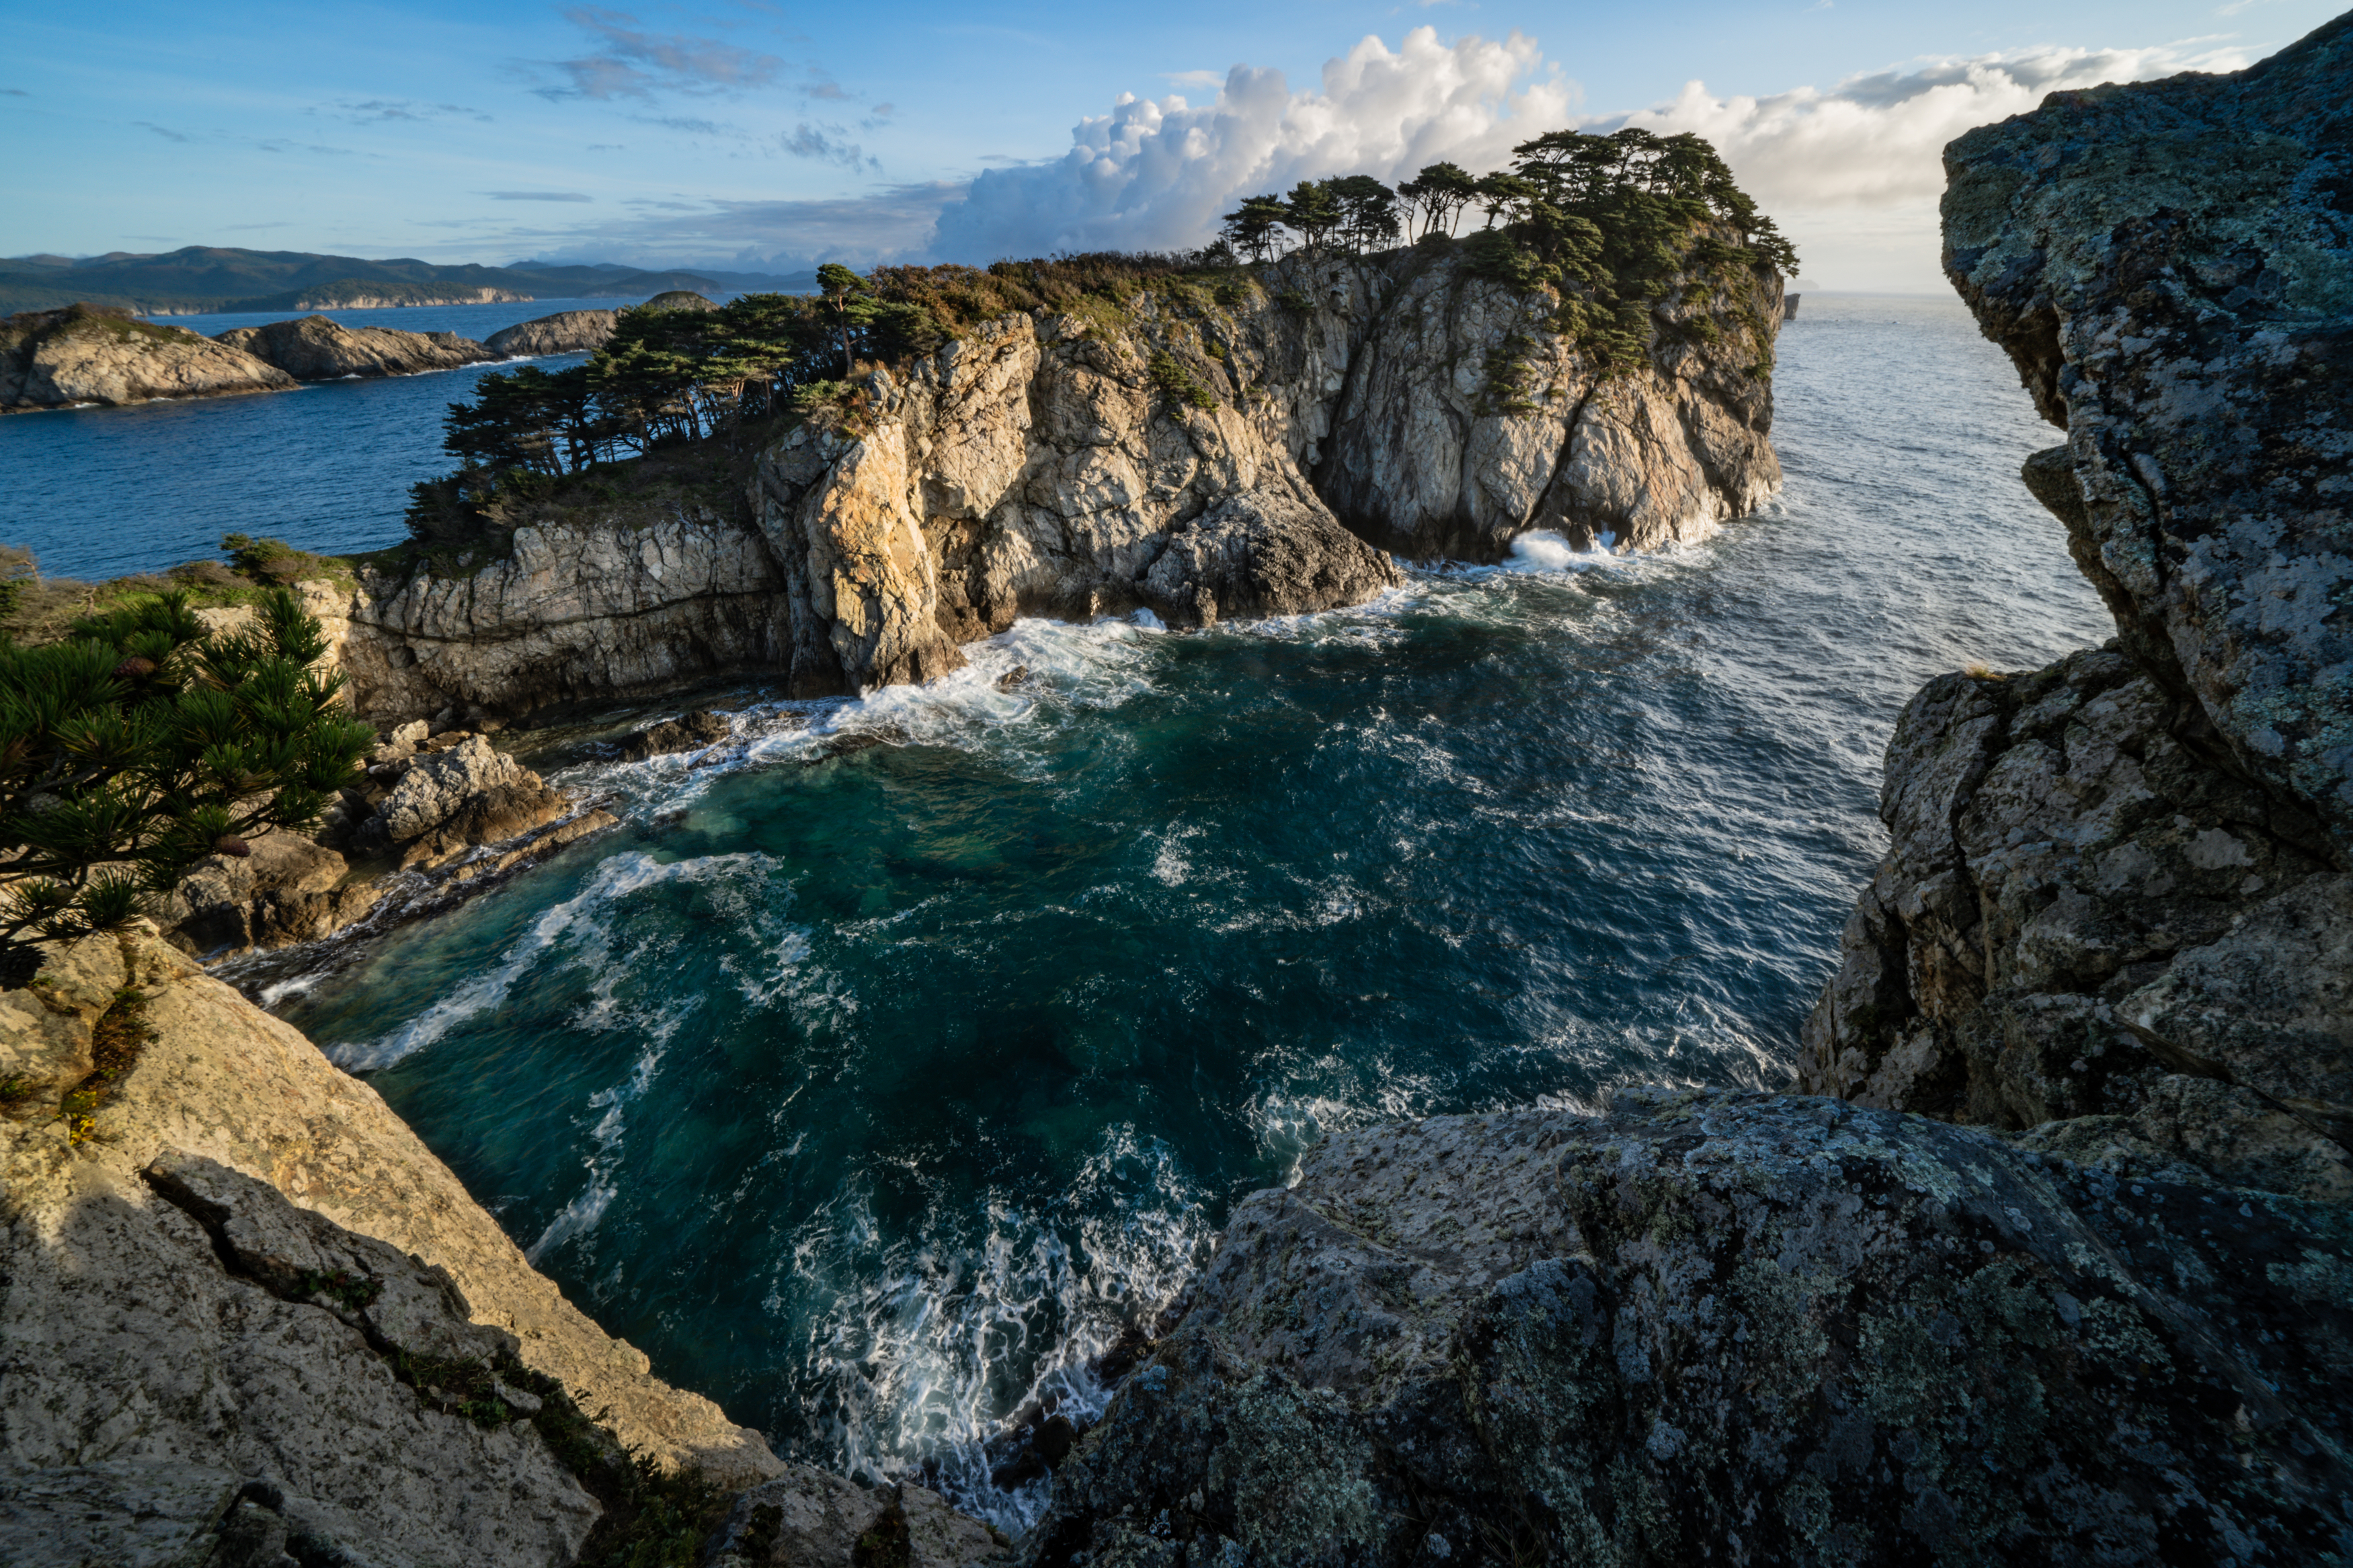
895,1054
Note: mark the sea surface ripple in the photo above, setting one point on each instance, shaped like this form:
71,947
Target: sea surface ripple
871,1089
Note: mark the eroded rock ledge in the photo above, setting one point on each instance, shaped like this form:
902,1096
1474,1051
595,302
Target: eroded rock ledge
1253,455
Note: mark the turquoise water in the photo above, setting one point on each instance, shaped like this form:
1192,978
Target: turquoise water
871,1090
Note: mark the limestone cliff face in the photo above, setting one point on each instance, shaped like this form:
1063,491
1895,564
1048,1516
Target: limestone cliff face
1184,455
54,359
1466,421
576,613
2115,901
318,348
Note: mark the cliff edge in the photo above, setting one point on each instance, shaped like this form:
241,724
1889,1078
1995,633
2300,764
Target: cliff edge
1248,446
2111,1322
2116,901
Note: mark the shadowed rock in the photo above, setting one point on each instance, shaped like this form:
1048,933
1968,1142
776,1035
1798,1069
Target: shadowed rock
316,348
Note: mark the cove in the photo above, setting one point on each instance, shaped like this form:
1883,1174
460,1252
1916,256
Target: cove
871,1089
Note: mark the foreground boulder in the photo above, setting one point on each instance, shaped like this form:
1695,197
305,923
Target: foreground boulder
316,348
87,353
1740,1328
565,332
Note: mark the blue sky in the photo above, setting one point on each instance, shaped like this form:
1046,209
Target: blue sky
741,132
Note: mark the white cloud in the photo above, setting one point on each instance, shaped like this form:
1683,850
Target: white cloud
1155,174
1851,171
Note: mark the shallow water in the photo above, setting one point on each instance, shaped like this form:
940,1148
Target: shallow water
98,492
869,1092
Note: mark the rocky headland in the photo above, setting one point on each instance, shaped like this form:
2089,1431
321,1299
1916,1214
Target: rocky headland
1205,455
565,333
318,348
94,354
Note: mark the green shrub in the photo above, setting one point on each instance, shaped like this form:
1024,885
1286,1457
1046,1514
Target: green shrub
1174,380
142,744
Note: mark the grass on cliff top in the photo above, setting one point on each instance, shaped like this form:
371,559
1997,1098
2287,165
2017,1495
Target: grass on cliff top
35,609
80,319
1098,288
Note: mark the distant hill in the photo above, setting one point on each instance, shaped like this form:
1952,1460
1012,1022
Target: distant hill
209,277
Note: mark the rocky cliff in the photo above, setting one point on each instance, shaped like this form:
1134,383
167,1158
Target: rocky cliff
1204,454
317,348
246,1318
2116,896
55,359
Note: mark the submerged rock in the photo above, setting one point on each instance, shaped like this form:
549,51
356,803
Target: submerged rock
317,348
565,332
1728,1326
87,353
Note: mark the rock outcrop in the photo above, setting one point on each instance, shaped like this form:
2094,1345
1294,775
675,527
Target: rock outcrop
318,348
565,332
84,353
234,1277
2170,267
675,299
2116,907
1724,1327
1176,454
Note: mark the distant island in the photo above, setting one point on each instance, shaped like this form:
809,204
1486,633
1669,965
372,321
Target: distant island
201,279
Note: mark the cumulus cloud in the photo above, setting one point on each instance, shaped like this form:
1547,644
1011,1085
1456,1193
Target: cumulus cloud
1156,174
1852,170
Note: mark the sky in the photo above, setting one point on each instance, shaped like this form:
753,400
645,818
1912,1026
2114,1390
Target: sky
762,135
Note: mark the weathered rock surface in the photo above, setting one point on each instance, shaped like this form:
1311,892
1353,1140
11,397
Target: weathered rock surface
1177,458
2116,908
2170,265
2080,907
251,1275
577,613
565,332
287,888
83,353
1732,1327
1436,450
317,348
689,732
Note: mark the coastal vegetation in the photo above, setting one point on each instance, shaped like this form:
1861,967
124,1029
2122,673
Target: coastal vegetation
143,742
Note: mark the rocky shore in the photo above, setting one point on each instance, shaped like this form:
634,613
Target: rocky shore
565,333
317,348
90,355
1205,458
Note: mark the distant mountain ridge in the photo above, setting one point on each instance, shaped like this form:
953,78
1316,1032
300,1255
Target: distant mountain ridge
202,279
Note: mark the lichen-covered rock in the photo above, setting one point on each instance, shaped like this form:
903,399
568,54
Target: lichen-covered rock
565,333
2170,265
2079,908
1732,1327
86,353
319,348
